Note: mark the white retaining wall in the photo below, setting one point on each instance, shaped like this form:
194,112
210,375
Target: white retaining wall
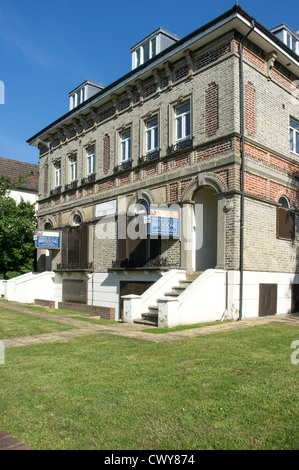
214,295
28,287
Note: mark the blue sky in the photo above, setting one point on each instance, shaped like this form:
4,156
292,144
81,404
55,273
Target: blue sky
48,48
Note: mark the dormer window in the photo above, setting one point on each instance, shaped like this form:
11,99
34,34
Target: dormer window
151,46
83,92
288,36
146,52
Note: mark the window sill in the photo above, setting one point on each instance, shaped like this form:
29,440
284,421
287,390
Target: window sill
180,145
125,165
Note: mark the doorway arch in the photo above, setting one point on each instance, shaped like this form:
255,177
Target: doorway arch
205,228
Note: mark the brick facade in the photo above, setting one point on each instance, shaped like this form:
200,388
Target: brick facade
207,78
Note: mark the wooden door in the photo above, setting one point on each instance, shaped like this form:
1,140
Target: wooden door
267,299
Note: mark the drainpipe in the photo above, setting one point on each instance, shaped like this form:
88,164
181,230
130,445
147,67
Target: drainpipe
243,168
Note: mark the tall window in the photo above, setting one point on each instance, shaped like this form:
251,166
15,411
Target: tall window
151,135
182,122
285,220
125,146
57,175
294,136
291,42
145,52
73,169
90,161
77,98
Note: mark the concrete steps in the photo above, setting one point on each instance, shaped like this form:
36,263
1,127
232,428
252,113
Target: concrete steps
151,317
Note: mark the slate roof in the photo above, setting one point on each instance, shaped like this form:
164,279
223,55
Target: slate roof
14,168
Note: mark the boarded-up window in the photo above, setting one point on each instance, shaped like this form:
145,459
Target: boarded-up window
267,299
74,291
137,251
74,249
285,223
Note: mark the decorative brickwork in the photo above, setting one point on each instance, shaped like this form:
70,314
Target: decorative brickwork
46,179
106,154
249,109
173,192
256,185
213,150
105,185
211,56
211,110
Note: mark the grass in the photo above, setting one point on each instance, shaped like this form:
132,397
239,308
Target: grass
233,390
13,324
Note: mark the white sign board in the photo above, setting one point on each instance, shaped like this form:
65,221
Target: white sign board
106,208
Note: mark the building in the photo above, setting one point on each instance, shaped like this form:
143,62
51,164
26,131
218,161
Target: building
14,169
205,130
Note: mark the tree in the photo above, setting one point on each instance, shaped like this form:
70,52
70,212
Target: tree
17,224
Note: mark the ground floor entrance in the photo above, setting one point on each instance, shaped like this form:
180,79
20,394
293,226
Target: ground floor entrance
205,229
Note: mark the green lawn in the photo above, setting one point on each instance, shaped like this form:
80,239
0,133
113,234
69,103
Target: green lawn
13,324
233,390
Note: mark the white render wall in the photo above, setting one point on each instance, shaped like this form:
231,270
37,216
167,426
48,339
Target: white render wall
252,279
27,196
28,287
214,295
103,290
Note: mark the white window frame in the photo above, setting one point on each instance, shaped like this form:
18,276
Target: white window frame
182,118
151,134
57,175
73,168
140,51
90,160
294,136
125,146
77,98
293,42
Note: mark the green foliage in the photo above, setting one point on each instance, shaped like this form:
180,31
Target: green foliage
17,224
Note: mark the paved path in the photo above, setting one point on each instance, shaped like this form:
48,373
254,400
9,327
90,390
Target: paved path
8,442
129,330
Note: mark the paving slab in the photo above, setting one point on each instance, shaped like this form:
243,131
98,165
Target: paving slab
8,442
130,330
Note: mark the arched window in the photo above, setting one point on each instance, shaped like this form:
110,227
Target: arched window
285,220
77,220
283,202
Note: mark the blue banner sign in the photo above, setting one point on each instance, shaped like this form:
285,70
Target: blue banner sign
47,239
164,221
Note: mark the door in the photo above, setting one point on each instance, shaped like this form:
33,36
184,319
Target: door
295,298
267,299
205,229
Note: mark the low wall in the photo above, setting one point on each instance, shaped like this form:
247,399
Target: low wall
103,312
